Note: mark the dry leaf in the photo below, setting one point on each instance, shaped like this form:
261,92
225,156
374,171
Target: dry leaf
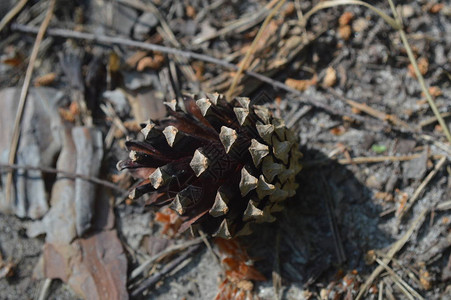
435,91
423,66
154,62
301,84
289,9
331,77
345,18
345,32
436,8
45,80
425,279
190,12
339,130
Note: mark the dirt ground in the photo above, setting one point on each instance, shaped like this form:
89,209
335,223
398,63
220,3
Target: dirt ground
370,219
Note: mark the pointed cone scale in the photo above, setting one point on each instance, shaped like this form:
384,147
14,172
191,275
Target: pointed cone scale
158,178
176,205
267,217
133,194
171,104
279,128
278,195
252,212
290,187
290,136
264,188
241,114
271,169
133,155
204,105
276,207
199,163
223,231
186,198
214,97
286,174
170,132
243,101
147,129
227,136
265,131
262,113
258,151
247,183
220,207
281,150
246,230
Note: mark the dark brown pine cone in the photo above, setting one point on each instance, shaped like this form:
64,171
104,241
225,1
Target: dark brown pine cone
218,164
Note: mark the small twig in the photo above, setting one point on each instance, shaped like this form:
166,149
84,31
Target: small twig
276,277
418,74
163,253
244,23
327,4
64,173
251,50
420,189
381,290
167,32
377,114
23,97
99,38
207,243
364,160
341,255
149,282
45,289
401,281
433,119
12,13
391,253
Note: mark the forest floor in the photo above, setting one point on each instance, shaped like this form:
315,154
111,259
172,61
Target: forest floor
370,219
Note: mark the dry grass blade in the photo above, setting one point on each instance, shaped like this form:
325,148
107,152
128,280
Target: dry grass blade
23,97
327,4
418,74
420,189
395,24
406,287
95,180
391,253
104,39
245,61
365,160
164,253
12,13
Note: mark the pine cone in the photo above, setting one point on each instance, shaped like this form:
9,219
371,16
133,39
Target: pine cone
218,164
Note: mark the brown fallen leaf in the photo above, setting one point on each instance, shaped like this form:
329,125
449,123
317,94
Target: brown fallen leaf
423,66
331,77
154,62
345,32
45,80
435,92
289,10
95,267
345,18
436,8
190,12
301,84
339,130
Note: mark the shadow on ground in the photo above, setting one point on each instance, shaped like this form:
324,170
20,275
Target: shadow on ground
308,251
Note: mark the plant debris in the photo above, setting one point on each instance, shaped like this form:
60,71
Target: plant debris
367,98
